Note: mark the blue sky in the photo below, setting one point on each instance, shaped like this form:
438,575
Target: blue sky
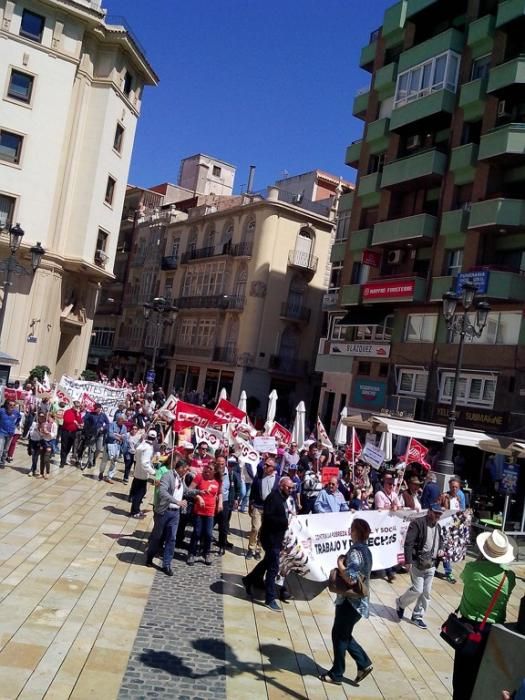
263,82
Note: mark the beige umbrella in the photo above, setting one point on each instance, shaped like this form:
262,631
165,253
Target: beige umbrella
503,446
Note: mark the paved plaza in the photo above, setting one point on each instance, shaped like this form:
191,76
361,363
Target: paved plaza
82,617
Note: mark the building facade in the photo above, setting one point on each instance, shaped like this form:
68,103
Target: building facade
72,87
439,200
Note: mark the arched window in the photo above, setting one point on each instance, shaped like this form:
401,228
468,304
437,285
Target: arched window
232,334
227,237
239,288
209,242
289,344
192,242
249,231
296,293
304,247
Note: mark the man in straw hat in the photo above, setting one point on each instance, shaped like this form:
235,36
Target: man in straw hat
487,586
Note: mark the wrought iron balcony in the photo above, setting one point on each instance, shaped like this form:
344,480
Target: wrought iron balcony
228,355
242,249
295,312
217,301
169,262
302,260
289,365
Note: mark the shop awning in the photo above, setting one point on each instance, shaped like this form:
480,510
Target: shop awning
420,431
365,315
6,359
503,446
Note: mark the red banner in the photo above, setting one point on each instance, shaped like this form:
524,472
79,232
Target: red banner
226,412
371,258
88,402
403,289
416,453
14,394
281,434
328,473
354,449
188,415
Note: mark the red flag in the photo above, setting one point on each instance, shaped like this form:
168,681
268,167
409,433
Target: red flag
354,449
416,452
88,402
281,434
188,415
226,412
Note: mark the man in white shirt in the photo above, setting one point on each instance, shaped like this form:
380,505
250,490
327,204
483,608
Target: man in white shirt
143,470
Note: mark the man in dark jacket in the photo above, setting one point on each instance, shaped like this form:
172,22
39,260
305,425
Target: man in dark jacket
273,529
95,427
262,486
422,544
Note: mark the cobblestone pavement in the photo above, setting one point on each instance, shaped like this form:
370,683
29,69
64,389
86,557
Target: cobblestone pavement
179,650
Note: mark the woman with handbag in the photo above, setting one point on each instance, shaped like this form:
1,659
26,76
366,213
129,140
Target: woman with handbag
487,586
352,586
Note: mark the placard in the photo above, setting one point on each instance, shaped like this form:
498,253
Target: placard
265,443
373,455
328,473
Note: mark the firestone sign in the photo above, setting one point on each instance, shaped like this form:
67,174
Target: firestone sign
403,289
360,349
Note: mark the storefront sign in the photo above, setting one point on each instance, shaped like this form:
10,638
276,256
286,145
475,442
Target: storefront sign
367,393
509,479
371,258
360,349
480,279
403,289
479,418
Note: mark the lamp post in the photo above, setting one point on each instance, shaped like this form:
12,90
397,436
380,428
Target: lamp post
466,328
11,267
165,314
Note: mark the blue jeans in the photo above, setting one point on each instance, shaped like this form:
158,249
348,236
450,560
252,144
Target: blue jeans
4,446
346,617
245,496
202,532
165,527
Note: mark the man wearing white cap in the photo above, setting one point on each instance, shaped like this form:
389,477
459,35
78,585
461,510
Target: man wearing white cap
487,586
143,470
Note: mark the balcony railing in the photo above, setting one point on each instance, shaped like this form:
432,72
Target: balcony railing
289,365
192,350
228,355
242,249
217,301
295,312
169,262
302,260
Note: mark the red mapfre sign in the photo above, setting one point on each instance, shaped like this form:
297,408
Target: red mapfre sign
371,258
404,289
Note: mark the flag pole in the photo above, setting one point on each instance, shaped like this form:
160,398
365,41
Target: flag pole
353,454
407,453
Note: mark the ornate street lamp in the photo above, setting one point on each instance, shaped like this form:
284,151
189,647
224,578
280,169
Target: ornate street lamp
165,314
466,328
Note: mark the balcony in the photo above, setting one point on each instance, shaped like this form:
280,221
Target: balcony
480,35
419,229
368,54
217,301
169,262
288,365
368,189
449,40
509,286
463,162
507,75
361,103
330,300
510,11
200,253
338,252
438,105
385,81
192,351
226,355
454,222
427,168
472,99
294,312
394,24
505,144
359,240
377,136
241,250
498,213
441,285
351,295
416,6
302,260
353,153
394,289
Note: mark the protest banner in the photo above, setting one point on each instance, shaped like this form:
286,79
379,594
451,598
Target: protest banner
265,444
226,412
246,452
213,438
88,402
169,404
373,455
322,435
280,433
328,473
108,396
188,415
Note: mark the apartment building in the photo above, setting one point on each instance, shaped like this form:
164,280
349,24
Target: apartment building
248,274
72,87
439,200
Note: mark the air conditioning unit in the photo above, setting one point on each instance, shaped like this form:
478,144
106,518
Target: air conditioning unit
413,141
101,257
502,108
394,256
297,198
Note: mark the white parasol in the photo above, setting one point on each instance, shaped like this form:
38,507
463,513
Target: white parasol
341,433
298,430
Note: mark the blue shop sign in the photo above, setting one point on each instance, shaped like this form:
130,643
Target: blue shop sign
480,279
509,479
368,394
